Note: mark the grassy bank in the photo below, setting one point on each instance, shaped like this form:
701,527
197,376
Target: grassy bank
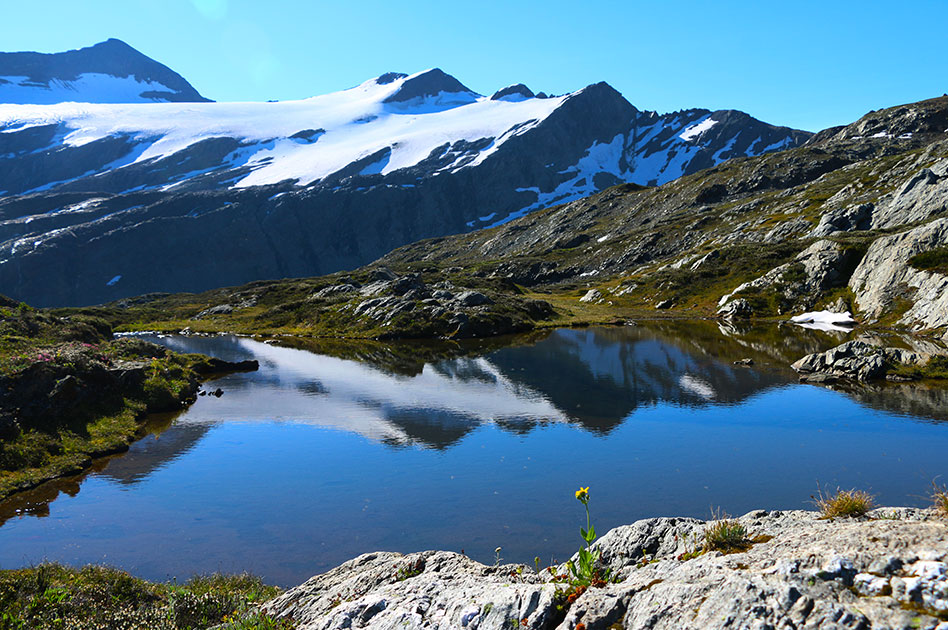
53,596
70,393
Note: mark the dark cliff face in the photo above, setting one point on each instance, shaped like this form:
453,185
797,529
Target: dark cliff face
113,57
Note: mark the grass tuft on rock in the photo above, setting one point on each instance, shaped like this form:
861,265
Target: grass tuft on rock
844,503
726,535
940,499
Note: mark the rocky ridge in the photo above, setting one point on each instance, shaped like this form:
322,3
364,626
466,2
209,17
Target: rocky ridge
890,571
842,221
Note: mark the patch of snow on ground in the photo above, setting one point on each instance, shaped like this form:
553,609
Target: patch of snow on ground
113,281
696,130
825,320
376,167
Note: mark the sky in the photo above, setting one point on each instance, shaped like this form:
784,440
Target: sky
802,63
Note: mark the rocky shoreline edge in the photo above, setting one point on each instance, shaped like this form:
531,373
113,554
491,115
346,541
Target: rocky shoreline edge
886,570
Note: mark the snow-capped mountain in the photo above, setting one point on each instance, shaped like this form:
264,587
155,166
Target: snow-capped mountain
109,72
225,193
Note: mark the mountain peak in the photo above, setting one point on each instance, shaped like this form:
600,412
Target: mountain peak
107,72
429,83
517,92
912,122
113,43
390,77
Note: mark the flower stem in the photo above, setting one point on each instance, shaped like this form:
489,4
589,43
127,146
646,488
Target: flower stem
586,505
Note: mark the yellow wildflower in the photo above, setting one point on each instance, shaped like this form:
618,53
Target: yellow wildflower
582,494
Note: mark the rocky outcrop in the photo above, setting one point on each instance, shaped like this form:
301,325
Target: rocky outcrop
802,572
591,296
884,277
406,306
923,196
823,265
736,309
858,217
858,360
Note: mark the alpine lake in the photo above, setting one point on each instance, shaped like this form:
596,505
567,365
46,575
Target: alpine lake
332,449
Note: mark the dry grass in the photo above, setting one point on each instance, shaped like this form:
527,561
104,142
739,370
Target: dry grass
844,503
940,499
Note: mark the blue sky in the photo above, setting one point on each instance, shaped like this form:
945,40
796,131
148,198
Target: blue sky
803,64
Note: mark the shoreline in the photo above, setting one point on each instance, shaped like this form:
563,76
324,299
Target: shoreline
888,569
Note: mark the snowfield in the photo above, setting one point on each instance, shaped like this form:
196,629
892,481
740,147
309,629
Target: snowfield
107,88
352,125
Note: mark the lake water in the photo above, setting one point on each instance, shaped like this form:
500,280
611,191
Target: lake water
332,450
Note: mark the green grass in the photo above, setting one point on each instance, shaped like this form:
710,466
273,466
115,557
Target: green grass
725,535
95,414
844,503
933,260
703,287
53,596
935,369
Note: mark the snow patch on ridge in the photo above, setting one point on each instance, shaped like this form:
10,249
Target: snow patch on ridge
107,89
696,130
599,158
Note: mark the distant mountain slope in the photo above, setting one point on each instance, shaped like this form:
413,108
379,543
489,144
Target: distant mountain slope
225,193
109,72
857,220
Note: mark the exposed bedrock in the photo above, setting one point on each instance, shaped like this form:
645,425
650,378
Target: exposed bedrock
883,573
885,277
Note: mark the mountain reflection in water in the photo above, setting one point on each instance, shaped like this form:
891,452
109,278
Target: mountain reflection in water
591,377
474,445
